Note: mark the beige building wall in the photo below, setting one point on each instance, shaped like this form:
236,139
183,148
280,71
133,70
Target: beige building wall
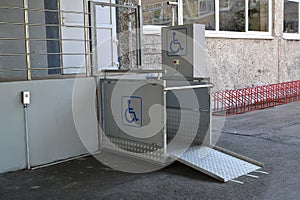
239,63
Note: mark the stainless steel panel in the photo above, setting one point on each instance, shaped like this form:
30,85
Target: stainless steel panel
188,54
149,94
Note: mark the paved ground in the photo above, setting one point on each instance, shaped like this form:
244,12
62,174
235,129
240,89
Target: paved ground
271,136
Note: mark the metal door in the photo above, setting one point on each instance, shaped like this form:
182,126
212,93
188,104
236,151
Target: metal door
105,42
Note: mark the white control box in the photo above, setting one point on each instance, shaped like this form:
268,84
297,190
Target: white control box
26,98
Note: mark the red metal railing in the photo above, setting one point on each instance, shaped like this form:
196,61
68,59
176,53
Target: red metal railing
259,97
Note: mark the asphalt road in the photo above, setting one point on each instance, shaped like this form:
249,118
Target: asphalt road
271,136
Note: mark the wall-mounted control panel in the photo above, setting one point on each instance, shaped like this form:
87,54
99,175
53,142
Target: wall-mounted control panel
25,98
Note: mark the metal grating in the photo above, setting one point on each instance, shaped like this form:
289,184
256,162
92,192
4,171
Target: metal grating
142,150
215,163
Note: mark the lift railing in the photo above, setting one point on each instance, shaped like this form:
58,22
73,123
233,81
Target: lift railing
34,43
248,99
42,28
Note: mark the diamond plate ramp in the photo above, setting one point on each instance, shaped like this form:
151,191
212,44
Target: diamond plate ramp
217,164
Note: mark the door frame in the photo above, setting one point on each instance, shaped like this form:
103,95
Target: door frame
93,31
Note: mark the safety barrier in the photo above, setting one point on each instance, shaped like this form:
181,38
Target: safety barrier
248,99
51,39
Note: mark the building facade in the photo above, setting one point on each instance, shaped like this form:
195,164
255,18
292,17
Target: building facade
263,48
249,42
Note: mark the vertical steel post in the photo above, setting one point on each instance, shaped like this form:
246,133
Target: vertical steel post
165,147
180,12
173,15
139,33
209,139
86,37
27,43
94,38
60,22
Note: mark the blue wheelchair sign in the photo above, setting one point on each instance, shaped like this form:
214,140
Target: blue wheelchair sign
177,42
131,111
175,45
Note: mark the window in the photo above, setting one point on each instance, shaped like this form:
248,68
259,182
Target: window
158,13
239,17
259,15
291,16
222,18
232,15
200,11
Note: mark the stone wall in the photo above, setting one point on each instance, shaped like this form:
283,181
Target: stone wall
289,62
238,63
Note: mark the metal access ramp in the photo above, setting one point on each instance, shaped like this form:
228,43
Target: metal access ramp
215,163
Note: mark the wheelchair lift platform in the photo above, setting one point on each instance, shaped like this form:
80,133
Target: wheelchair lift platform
176,121
162,115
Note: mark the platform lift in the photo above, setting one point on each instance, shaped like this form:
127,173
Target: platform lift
165,115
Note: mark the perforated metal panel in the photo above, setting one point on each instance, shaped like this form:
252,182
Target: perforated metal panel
215,163
183,123
142,150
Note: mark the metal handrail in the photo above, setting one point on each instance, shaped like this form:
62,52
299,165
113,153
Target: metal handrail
114,5
188,87
84,24
47,39
44,25
42,10
37,69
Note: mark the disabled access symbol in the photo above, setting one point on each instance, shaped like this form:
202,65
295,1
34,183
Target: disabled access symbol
132,111
175,45
177,42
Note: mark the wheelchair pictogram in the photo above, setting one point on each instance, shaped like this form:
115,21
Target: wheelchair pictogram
130,114
132,111
175,45
177,42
